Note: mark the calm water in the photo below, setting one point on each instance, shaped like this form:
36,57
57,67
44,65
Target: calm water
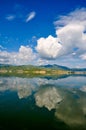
43,103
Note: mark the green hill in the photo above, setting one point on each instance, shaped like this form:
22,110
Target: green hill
31,71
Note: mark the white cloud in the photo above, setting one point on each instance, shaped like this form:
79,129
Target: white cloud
30,16
68,47
24,56
83,56
78,16
10,17
70,40
42,61
21,16
2,48
48,47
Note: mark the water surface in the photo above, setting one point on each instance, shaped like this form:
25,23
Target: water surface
43,103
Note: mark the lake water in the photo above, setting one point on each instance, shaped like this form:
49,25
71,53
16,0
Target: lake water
43,103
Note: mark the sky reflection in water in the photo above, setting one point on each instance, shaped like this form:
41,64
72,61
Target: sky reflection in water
66,96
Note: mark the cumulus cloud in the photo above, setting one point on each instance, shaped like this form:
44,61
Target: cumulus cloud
70,39
48,47
78,16
25,55
69,43
30,16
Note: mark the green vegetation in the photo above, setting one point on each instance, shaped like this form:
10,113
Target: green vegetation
34,71
30,71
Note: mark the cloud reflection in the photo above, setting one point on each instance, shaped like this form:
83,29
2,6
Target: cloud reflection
48,97
66,96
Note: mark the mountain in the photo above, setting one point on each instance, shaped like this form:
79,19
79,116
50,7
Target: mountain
49,66
54,66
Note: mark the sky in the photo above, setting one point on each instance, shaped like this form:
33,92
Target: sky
40,32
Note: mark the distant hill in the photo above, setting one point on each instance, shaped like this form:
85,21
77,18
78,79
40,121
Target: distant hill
78,69
54,66
32,71
5,65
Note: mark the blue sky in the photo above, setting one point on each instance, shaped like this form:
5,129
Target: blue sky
43,32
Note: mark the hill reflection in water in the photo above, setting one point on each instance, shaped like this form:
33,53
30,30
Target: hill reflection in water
65,97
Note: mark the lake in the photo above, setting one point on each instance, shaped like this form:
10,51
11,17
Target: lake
43,103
